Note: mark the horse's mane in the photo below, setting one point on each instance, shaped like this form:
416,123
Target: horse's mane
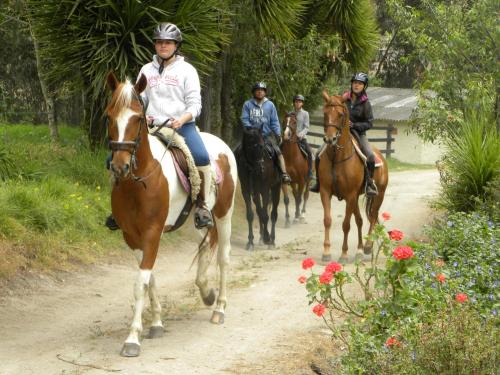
123,97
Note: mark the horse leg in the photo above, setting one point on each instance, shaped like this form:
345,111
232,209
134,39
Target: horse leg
156,329
274,214
359,224
258,209
207,294
297,194
306,197
248,204
286,200
265,217
224,239
327,222
372,208
346,226
131,347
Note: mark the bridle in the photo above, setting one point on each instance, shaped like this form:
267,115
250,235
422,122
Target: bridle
287,126
339,127
132,146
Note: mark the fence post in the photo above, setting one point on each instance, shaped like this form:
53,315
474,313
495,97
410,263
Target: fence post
388,145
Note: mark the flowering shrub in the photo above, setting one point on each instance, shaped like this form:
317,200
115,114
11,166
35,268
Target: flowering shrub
408,289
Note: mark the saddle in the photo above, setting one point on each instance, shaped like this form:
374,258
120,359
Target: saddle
302,149
355,143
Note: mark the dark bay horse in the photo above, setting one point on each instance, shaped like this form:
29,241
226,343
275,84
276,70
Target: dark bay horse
260,182
148,198
297,168
341,173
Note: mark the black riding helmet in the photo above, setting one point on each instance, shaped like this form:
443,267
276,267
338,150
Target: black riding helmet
299,97
259,85
361,77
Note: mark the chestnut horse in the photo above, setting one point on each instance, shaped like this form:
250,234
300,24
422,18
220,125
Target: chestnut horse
148,197
297,168
341,173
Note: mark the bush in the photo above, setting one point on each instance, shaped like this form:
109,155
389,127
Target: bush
456,341
6,165
471,162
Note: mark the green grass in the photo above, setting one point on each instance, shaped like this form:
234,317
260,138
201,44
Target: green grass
395,165
54,202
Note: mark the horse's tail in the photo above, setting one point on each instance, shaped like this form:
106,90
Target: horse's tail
209,242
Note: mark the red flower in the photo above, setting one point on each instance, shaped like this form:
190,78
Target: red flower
325,277
395,235
386,216
391,341
308,263
461,297
302,279
333,267
441,278
403,252
319,309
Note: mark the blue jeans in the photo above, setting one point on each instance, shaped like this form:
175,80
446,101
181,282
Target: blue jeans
194,143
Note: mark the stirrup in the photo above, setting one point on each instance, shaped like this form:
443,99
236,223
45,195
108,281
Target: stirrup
203,217
111,223
371,189
315,187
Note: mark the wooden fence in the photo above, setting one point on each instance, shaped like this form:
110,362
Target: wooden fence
315,136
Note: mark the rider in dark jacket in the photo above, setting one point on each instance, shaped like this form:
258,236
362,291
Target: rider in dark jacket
361,119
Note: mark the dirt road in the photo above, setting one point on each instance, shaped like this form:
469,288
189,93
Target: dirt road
83,318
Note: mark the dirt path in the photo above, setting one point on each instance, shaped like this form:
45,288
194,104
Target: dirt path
268,322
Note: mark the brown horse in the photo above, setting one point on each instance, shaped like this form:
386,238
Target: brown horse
297,168
341,173
148,198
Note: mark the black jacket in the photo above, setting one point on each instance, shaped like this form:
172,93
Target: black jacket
360,113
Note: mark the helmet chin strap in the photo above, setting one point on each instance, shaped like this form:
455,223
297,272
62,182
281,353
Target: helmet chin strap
162,60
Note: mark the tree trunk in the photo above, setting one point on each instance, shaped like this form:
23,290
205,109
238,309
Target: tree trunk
206,105
225,98
49,100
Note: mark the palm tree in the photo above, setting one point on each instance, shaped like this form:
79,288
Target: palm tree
83,40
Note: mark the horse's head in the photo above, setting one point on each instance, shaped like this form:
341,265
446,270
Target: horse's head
336,117
290,126
254,148
126,122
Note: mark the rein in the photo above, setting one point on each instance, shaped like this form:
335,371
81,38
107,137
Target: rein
133,146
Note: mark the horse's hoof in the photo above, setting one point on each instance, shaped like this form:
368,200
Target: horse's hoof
359,256
155,332
326,258
249,246
217,317
367,249
343,260
271,246
261,242
130,350
302,220
210,299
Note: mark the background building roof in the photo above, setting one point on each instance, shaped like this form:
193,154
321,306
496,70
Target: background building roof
392,103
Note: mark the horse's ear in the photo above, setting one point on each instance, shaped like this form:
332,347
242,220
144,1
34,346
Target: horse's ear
141,84
326,97
112,81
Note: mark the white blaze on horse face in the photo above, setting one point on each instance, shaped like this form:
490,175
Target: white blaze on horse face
122,122
124,100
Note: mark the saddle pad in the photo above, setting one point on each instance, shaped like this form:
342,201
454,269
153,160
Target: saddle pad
183,178
378,161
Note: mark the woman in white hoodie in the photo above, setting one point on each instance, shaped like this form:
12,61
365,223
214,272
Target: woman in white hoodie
173,93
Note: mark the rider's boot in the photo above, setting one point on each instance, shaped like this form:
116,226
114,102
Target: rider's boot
285,178
202,215
371,188
111,223
310,175
315,187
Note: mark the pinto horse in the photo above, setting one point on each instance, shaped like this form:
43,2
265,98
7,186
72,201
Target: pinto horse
341,173
148,197
260,182
297,168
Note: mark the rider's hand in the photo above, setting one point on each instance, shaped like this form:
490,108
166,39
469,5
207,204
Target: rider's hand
150,120
175,123
350,123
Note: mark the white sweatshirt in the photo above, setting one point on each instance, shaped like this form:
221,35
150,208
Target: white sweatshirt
174,93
